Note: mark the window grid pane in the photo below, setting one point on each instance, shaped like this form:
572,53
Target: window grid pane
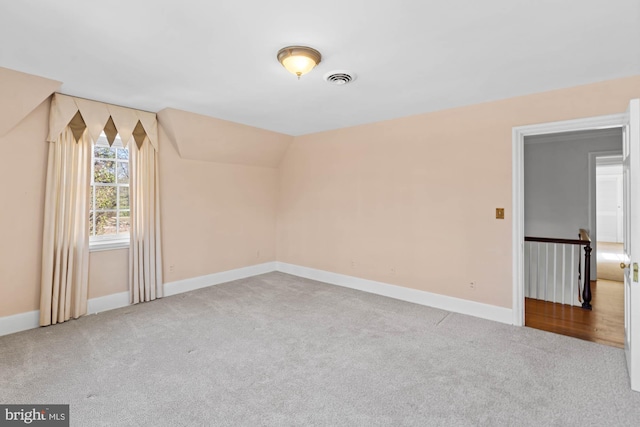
108,196
118,209
122,172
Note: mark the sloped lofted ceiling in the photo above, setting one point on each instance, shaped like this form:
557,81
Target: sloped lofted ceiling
411,56
198,137
20,93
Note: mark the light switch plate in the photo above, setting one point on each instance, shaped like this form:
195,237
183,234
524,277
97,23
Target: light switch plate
499,213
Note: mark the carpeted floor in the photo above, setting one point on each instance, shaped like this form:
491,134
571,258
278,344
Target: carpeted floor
610,255
280,350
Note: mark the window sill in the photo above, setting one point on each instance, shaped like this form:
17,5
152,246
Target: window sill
108,245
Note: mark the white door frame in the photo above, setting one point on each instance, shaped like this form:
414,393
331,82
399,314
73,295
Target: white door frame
518,134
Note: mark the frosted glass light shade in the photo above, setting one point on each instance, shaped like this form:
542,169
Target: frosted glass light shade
299,60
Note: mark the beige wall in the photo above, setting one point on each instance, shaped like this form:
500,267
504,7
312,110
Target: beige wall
412,201
108,272
409,201
23,165
20,94
215,217
198,137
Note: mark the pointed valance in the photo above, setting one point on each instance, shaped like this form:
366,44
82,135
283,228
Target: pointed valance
97,117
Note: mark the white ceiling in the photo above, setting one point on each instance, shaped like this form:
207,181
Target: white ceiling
218,58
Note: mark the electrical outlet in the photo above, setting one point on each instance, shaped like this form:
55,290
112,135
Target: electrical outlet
258,254
172,268
393,270
353,264
472,286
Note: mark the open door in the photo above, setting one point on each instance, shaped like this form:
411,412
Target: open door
631,190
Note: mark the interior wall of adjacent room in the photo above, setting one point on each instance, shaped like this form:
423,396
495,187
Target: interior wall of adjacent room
412,201
556,183
609,202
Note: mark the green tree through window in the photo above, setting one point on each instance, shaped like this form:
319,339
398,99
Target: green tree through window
109,196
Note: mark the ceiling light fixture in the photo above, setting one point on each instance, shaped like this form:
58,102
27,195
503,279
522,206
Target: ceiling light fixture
299,60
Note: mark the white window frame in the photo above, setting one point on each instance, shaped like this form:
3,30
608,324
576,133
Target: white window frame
120,240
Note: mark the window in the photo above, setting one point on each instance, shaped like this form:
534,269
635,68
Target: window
109,210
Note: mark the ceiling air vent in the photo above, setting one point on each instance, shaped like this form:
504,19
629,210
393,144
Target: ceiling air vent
339,78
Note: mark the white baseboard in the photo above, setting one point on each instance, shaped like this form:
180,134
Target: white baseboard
122,299
186,285
108,302
30,320
456,305
19,322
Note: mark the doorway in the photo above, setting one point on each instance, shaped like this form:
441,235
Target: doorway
629,123
609,217
613,121
560,170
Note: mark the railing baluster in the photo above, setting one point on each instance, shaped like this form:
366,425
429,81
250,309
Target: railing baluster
546,269
544,289
573,277
564,269
531,270
555,273
526,269
586,294
538,270
534,271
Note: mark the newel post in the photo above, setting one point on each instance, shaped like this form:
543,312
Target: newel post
586,293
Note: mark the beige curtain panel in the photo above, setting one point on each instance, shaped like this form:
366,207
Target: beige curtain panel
65,248
145,257
74,124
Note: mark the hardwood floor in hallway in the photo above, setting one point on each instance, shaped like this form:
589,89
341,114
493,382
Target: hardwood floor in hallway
604,324
610,255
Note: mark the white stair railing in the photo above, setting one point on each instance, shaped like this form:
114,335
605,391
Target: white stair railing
556,271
